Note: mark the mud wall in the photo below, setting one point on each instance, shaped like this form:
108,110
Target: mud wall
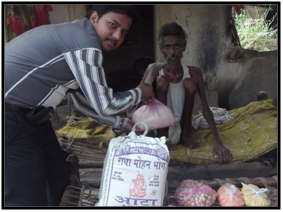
209,46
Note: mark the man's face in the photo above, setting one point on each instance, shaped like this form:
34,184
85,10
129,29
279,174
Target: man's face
111,29
172,49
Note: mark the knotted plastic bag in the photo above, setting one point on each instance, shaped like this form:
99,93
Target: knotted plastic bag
230,195
155,114
195,193
254,196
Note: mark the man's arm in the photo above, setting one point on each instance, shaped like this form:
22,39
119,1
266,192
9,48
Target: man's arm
86,66
151,72
83,106
219,149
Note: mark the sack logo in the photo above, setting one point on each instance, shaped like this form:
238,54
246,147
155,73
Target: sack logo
138,187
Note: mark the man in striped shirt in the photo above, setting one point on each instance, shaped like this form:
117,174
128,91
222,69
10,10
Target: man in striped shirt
41,66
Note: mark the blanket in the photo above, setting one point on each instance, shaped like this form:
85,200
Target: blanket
251,133
87,129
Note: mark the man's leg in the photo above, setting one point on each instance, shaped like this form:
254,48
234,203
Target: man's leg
162,89
186,120
25,179
57,169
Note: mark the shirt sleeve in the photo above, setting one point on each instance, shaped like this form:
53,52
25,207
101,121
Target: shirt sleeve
86,65
82,105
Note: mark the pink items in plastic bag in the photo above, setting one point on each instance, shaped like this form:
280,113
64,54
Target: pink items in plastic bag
195,193
155,114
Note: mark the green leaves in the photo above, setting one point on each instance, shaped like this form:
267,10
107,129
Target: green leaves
256,34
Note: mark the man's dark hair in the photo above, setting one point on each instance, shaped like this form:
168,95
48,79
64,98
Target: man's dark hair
172,29
101,10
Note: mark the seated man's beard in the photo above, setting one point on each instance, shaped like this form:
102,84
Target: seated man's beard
173,63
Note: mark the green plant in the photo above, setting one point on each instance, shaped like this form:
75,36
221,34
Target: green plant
256,34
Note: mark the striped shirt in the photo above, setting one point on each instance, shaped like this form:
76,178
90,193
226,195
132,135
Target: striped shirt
45,63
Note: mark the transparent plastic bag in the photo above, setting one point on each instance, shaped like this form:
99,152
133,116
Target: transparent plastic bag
255,196
230,195
155,114
195,193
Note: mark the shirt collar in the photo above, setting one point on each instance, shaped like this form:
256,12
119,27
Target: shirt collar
85,23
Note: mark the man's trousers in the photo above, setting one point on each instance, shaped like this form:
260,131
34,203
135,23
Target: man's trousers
36,171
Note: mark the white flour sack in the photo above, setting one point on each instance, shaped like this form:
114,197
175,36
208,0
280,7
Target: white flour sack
135,171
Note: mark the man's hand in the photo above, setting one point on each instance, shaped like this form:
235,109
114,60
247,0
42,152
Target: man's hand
150,99
130,124
220,151
146,91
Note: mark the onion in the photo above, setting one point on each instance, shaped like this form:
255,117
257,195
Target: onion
195,193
